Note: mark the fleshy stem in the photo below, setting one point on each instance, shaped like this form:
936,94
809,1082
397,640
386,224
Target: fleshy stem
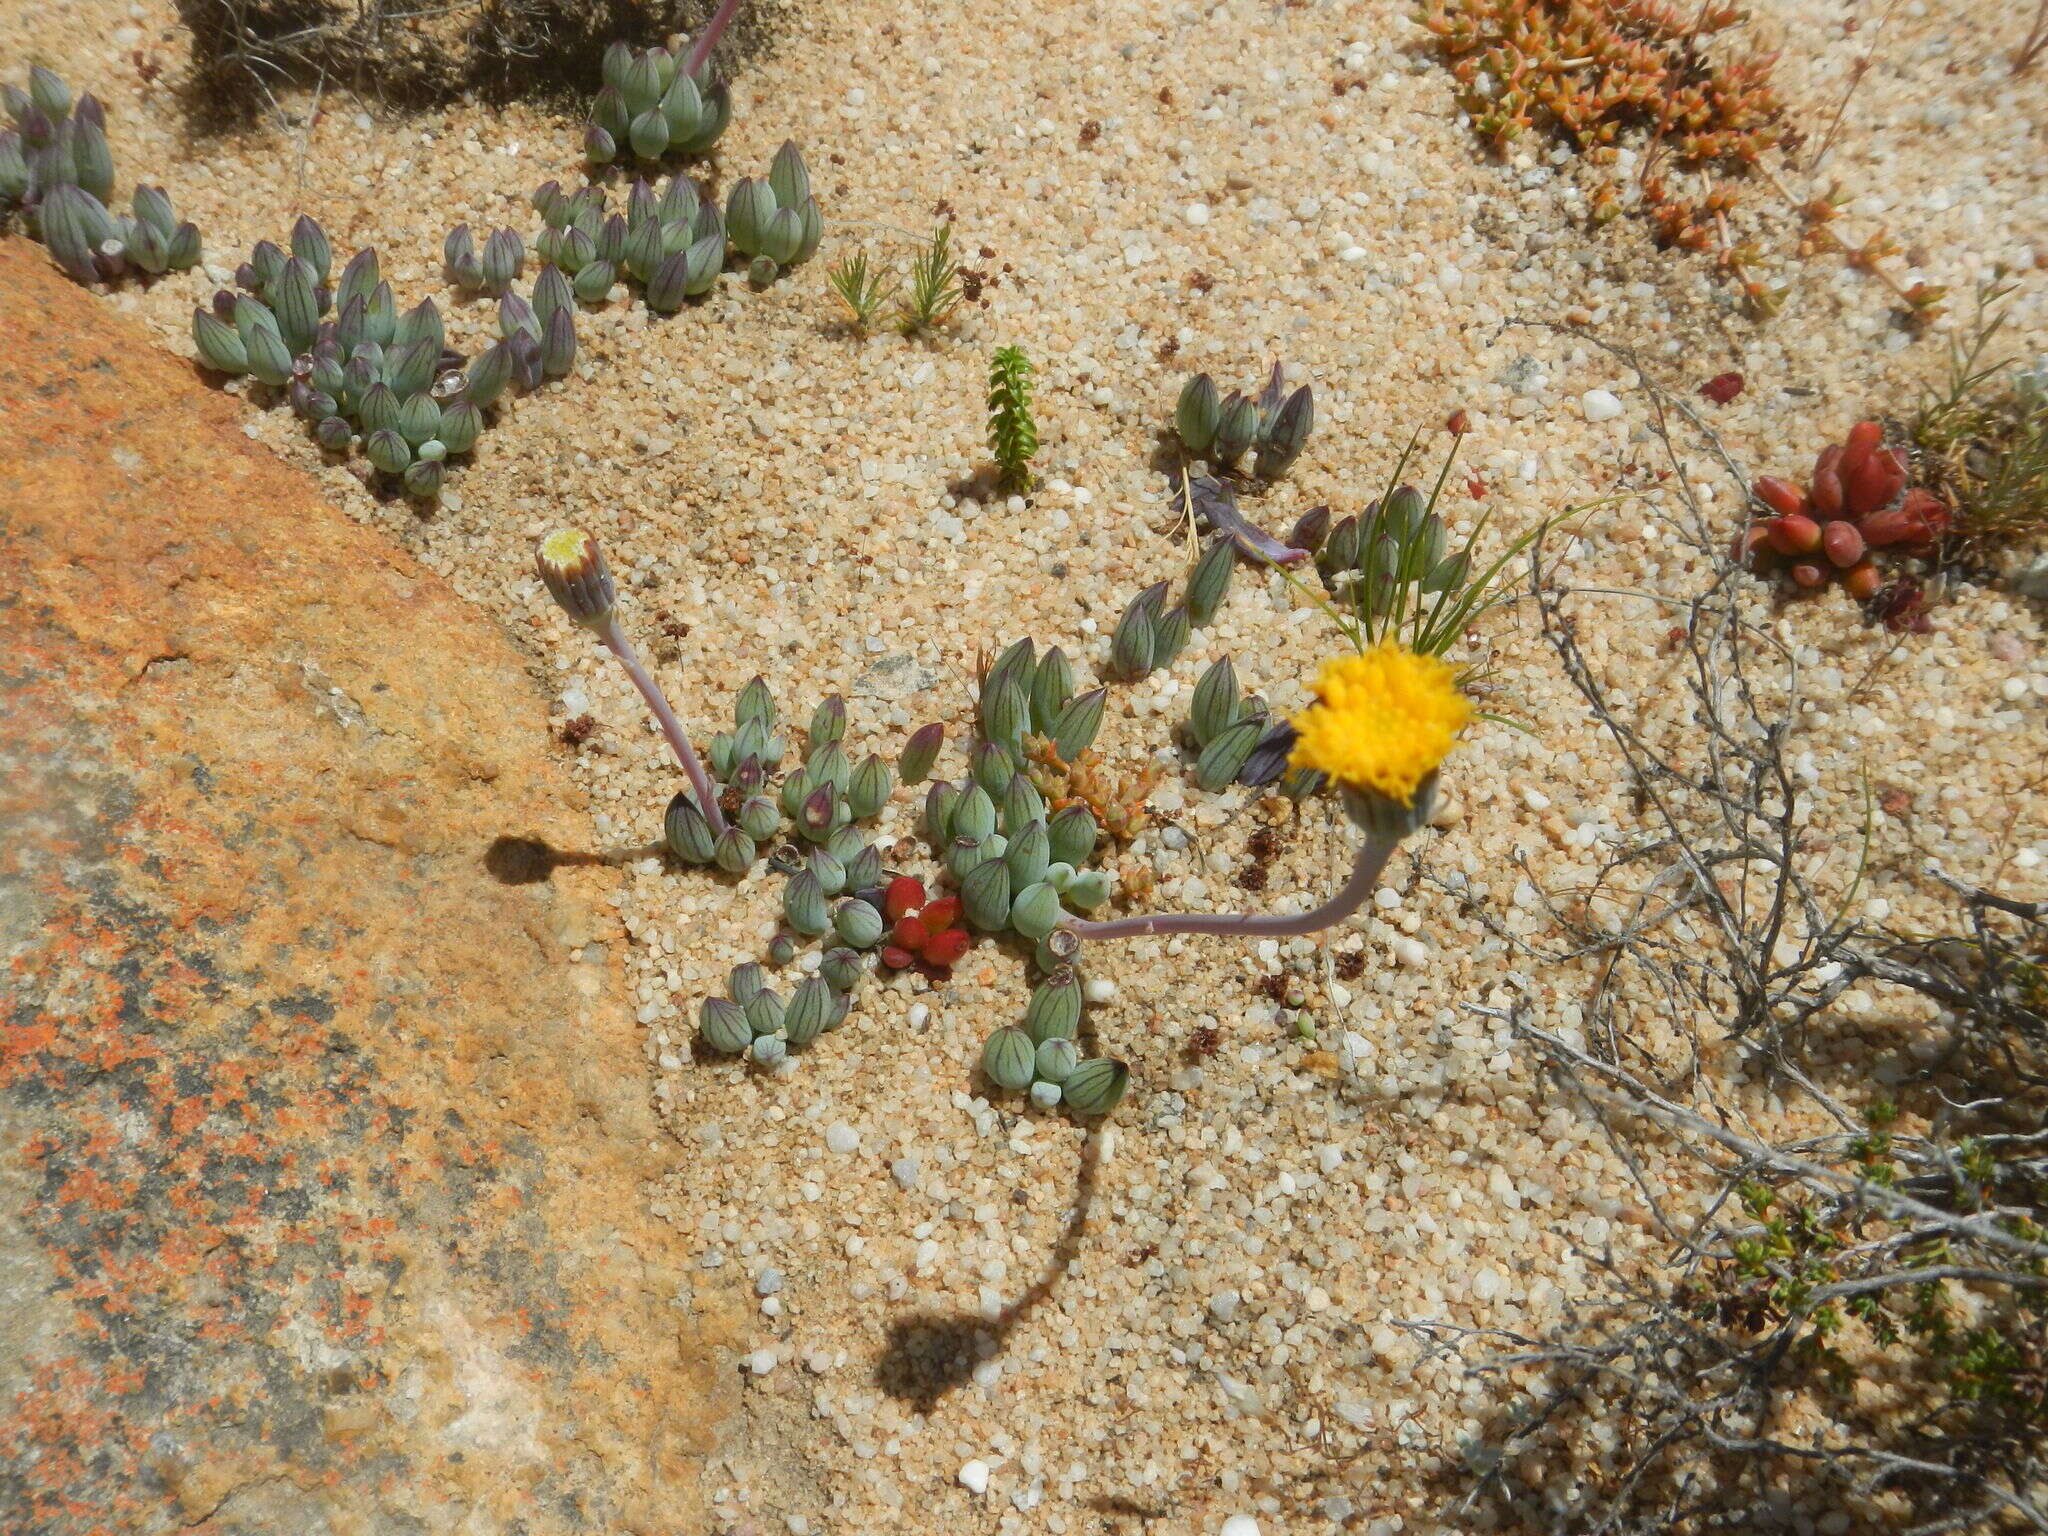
700,50
1365,874
615,641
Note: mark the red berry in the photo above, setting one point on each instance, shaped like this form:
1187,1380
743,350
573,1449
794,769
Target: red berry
1781,496
1722,387
940,914
910,932
904,894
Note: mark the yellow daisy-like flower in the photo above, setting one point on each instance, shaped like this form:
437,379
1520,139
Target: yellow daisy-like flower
1381,722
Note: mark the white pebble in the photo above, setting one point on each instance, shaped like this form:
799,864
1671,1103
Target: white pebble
1099,990
1599,405
974,1477
1198,213
1239,1525
761,1362
768,1282
1386,898
2013,689
905,1172
841,1137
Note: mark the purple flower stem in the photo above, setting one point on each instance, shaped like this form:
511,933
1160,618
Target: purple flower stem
707,40
616,642
1365,874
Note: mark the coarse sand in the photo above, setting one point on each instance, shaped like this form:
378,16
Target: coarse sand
940,1343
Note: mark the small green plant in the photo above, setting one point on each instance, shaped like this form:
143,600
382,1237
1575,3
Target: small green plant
863,287
656,103
368,372
1012,434
1221,429
934,284
1981,441
671,242
493,270
774,220
56,168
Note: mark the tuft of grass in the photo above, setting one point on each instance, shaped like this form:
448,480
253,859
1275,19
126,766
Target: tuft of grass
934,284
1012,434
862,287
1981,440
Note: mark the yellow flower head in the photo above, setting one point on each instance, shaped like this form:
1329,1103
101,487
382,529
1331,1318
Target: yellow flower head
1382,721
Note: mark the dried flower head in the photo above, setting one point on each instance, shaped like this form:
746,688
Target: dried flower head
1382,721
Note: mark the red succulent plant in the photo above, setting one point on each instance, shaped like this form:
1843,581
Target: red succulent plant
922,932
1858,502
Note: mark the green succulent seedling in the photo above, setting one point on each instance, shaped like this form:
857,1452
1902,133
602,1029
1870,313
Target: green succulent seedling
934,284
1012,434
774,220
862,286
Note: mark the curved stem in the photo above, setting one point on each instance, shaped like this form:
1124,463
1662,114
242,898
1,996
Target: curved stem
616,642
1365,874
700,50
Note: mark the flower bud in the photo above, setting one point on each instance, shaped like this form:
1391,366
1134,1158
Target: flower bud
809,1011
1310,530
558,343
993,766
1054,1012
1071,834
787,176
820,814
1005,714
1197,415
1052,685
1074,732
745,983
388,450
1056,1060
504,254
914,764
764,1012
1131,643
1095,1087
939,803
1028,855
734,851
828,722
1036,911
829,765
803,905
985,896
859,924
869,790
1286,435
1010,1059
687,832
769,1051
1214,707
759,819
827,870
724,1026
1224,757
841,968
574,571
974,815
1237,428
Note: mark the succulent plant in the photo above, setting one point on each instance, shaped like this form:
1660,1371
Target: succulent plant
1095,1087
1858,501
1222,428
1012,434
657,103
493,269
923,931
671,242
774,219
56,166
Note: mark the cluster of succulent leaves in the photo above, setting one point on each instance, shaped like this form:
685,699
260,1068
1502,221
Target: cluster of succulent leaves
1391,573
1042,1055
1273,425
649,108
358,370
1012,434
57,170
671,241
1801,1246
774,219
